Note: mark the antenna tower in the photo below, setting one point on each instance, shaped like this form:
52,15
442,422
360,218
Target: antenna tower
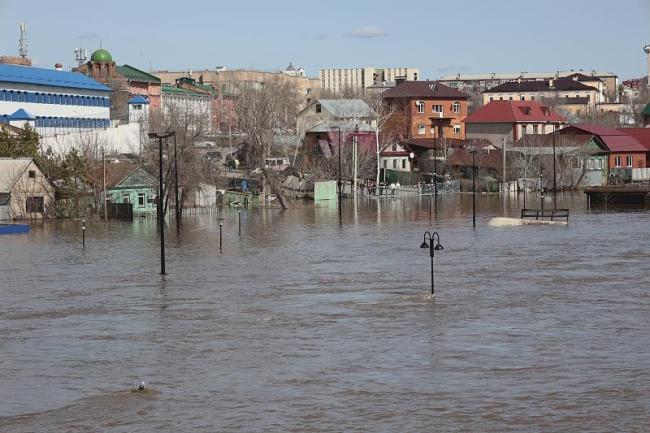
22,42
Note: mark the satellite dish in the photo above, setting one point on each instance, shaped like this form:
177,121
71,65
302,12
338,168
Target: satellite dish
411,155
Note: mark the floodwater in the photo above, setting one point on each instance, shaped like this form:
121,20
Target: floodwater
303,325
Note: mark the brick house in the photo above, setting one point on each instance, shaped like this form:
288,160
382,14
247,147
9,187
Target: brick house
425,109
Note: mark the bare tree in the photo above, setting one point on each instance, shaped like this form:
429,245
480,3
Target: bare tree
265,110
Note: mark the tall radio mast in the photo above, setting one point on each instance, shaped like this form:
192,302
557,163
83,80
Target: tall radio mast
22,42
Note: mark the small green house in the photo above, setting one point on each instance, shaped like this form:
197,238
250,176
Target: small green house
131,183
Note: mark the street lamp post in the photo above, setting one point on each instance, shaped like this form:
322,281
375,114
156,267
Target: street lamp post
339,184
432,242
554,173
473,152
161,194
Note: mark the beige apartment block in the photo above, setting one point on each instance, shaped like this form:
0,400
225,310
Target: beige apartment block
340,79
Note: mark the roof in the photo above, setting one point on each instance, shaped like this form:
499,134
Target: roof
21,114
516,75
423,89
615,140
513,112
101,55
642,135
485,158
48,77
179,91
117,172
10,170
138,99
346,108
135,74
572,141
559,85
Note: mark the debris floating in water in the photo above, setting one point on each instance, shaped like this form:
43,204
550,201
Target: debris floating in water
139,386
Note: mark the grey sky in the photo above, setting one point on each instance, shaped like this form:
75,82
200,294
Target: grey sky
470,36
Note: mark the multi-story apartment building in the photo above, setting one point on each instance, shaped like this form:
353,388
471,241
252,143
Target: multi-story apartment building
479,83
560,89
341,79
426,109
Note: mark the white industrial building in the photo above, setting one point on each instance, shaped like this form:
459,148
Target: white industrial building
67,109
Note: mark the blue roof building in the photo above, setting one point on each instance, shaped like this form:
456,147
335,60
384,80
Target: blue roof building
53,101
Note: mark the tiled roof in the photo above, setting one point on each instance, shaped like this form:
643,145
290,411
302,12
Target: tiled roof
135,74
615,140
642,135
423,89
514,111
48,77
559,85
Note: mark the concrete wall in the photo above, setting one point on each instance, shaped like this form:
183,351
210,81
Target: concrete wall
127,138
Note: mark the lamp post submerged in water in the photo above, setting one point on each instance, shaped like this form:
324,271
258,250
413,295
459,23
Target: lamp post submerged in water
432,242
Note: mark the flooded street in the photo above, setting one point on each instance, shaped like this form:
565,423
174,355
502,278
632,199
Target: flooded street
307,326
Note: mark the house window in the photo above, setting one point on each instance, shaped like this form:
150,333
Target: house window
523,98
403,163
510,98
437,109
456,107
629,161
126,198
32,174
422,129
394,164
419,105
457,129
34,205
141,199
491,98
617,161
318,108
501,98
385,163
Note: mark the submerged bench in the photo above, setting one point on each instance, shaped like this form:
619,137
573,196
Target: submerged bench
551,214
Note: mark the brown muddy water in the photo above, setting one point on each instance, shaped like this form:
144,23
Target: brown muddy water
302,325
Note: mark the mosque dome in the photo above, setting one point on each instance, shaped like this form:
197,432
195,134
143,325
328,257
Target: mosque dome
101,55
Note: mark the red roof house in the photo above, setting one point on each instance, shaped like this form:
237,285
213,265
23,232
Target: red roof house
510,120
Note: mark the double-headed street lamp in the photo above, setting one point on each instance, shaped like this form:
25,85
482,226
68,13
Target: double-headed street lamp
432,241
161,194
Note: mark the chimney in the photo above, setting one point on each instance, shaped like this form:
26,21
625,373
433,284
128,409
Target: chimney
58,67
551,82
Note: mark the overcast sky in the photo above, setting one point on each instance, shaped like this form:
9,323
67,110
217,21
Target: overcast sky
439,37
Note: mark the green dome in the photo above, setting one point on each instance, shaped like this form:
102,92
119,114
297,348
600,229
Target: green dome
101,55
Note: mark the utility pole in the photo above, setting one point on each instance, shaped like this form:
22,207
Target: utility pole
104,184
503,150
355,143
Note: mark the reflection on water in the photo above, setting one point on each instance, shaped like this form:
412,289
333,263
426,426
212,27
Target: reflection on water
305,325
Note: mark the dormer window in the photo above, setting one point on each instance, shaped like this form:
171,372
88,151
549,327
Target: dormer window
319,108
